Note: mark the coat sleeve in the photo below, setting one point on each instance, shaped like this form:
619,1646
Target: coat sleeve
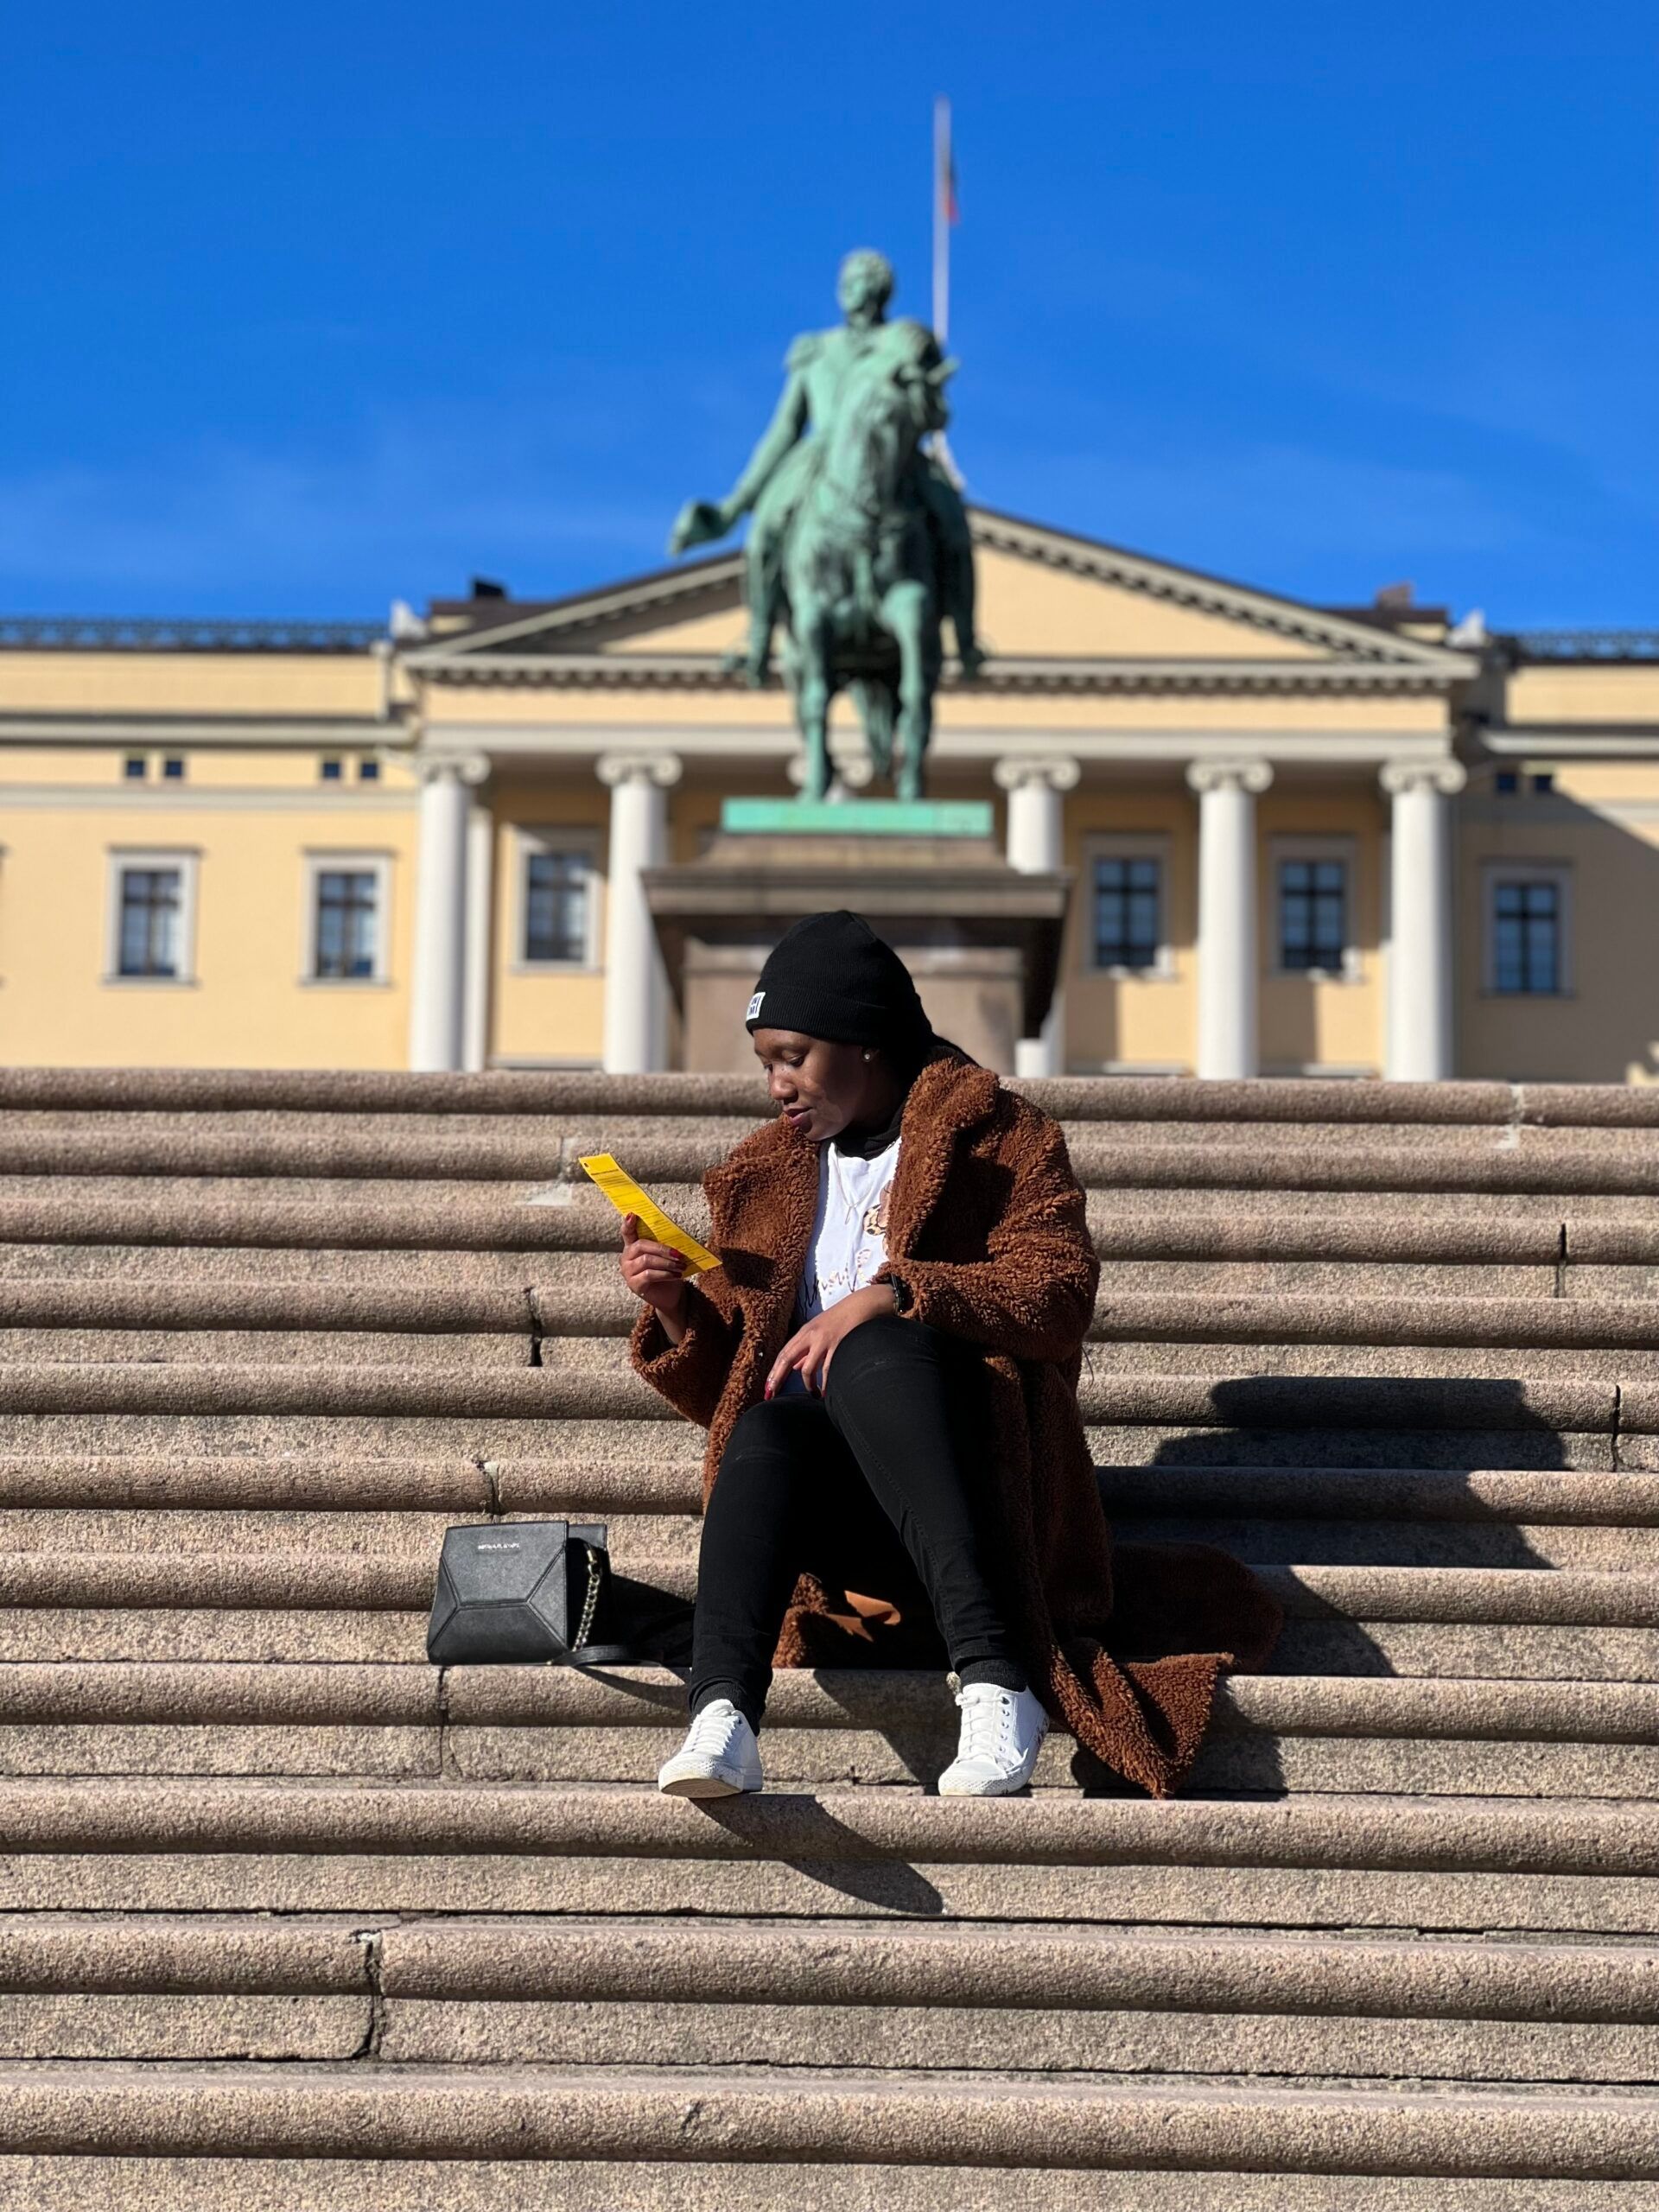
1033,1296
691,1375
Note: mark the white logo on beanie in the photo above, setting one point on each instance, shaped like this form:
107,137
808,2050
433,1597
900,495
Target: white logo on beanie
755,1005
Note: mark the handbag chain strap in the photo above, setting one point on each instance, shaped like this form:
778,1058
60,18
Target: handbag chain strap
590,1603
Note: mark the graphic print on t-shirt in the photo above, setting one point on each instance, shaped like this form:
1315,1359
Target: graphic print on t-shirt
849,1234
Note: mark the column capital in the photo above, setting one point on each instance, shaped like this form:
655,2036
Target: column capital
1446,779
470,768
1251,776
662,769
1054,772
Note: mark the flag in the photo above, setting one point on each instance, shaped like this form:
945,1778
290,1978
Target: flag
950,207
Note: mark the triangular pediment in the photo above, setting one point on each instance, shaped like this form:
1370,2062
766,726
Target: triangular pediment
1048,600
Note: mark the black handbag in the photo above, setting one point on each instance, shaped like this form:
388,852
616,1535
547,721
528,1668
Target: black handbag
523,1593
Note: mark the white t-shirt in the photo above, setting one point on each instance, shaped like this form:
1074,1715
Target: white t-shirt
849,1233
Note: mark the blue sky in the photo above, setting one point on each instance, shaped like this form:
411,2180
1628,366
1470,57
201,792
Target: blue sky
308,307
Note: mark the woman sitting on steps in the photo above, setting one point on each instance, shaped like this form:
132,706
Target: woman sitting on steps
887,1362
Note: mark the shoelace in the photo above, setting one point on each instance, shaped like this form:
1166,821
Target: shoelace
713,1731
987,1724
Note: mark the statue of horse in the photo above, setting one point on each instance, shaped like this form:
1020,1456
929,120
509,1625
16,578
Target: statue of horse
860,567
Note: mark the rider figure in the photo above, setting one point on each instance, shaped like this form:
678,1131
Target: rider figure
821,365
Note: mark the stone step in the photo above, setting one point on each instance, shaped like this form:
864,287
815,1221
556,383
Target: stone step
377,1578
576,1275
1212,1440
476,1990
595,1302
589,1379
210,1844
658,1471
507,2185
494,1725
892,1703
356,1526
275,1635
1531,1162
572,1218
1082,2124
327,1092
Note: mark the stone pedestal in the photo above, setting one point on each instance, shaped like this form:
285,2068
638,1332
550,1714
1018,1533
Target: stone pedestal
980,937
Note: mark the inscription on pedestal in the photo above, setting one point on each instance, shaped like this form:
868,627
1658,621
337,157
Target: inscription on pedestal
863,817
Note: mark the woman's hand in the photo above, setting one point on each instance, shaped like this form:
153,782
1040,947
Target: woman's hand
811,1349
657,1273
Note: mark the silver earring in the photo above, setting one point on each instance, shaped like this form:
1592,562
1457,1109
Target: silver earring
870,1056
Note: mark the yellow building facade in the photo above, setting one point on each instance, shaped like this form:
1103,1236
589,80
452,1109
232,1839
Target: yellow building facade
1302,840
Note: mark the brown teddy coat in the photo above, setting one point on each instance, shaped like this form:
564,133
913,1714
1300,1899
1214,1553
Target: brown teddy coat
986,1230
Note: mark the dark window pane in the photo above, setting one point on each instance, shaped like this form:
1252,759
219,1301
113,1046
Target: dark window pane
332,771
346,922
368,772
1527,937
1126,912
1313,913
556,907
134,767
173,769
150,901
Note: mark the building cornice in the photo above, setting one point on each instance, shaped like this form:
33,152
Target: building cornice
572,744
203,732
1573,740
1023,677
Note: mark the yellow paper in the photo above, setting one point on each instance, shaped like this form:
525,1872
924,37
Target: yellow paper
625,1195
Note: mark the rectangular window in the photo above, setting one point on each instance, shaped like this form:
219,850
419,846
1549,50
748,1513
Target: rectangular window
347,923
368,772
173,769
149,939
1527,915
1313,915
1128,904
332,771
134,767
555,905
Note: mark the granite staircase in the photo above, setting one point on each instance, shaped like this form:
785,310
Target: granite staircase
290,1919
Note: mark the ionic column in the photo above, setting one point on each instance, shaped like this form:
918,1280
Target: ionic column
1036,846
438,993
480,905
1422,949
1228,791
636,988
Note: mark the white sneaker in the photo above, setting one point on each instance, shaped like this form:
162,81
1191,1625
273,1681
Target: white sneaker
719,1757
1002,1731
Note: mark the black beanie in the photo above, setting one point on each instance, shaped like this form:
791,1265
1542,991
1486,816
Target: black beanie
830,976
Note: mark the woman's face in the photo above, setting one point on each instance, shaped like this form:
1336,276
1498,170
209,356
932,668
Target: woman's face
818,1088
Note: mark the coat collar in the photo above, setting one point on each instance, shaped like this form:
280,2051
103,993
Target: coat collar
773,1176
951,1095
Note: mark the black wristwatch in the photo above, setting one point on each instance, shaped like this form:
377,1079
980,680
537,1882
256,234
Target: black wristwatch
904,1300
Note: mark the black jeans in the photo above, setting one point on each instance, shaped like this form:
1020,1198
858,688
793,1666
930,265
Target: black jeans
878,1485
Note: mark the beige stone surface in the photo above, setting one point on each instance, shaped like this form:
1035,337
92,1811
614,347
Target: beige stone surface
207,2185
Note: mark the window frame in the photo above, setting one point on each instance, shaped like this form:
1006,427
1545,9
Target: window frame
318,863
1340,848
530,840
1494,871
119,859
1128,845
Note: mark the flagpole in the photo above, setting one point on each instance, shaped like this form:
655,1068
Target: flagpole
943,216
941,219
